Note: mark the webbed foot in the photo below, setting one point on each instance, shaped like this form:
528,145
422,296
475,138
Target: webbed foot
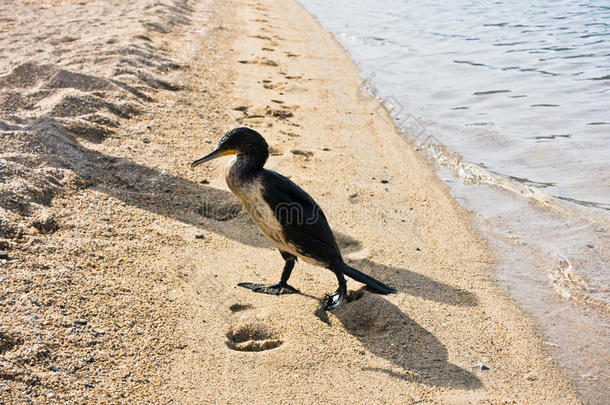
275,289
335,299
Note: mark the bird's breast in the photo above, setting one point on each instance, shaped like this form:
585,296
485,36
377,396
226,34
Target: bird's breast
250,193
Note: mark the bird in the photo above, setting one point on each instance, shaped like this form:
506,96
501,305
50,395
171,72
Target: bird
285,214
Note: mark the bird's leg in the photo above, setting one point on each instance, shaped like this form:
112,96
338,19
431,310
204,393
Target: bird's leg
288,266
337,297
280,288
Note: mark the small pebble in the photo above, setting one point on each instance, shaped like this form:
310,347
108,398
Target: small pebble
53,368
385,181
4,255
200,236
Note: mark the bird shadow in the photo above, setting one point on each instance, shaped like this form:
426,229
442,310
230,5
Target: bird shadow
386,332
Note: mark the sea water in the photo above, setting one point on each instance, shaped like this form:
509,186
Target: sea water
511,100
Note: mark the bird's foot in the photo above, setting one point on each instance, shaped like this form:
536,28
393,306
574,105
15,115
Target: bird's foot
275,289
335,299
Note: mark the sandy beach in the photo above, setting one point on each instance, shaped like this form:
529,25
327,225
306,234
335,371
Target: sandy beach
120,281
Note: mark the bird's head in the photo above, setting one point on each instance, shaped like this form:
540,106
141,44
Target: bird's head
238,141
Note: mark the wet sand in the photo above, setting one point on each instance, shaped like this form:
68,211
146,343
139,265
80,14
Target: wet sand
123,262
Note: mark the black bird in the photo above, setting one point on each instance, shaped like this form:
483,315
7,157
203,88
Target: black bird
284,213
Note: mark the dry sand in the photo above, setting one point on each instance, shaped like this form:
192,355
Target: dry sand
123,262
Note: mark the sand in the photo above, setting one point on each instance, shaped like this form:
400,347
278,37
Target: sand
123,263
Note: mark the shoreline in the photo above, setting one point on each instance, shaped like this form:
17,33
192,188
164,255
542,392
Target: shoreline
146,256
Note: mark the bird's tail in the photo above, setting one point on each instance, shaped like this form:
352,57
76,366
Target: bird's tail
357,275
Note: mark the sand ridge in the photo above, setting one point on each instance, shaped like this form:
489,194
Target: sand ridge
88,291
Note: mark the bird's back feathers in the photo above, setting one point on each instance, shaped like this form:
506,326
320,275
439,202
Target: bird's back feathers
302,219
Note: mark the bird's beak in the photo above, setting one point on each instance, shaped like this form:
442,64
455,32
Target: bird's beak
215,154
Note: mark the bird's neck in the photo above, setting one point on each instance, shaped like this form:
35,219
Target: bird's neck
244,165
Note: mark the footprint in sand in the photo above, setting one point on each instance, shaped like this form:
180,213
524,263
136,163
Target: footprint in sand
261,37
266,61
240,307
260,61
280,114
305,153
253,336
290,134
268,84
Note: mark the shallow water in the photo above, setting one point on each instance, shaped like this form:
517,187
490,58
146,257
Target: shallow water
512,99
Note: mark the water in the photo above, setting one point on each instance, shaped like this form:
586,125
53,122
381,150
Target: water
512,101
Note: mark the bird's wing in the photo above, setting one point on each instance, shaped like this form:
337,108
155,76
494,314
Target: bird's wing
301,218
